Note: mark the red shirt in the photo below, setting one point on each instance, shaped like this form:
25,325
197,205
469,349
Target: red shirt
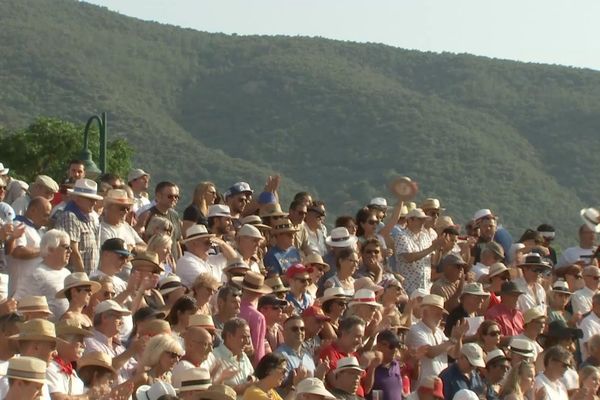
511,321
494,299
334,354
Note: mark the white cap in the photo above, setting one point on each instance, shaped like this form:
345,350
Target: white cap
494,354
474,354
136,174
313,386
378,202
484,212
418,293
250,231
110,305
465,394
218,210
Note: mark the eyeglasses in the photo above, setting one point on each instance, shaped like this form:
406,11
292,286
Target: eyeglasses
297,329
126,209
173,354
372,221
65,247
341,303
173,196
494,333
303,280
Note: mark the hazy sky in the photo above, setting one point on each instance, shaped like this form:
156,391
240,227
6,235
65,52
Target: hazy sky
563,32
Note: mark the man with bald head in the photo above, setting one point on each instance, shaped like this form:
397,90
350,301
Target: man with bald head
198,345
25,253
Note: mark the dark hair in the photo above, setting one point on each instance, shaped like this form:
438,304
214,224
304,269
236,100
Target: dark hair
343,220
90,372
227,291
10,320
301,195
372,241
294,317
183,304
162,185
361,217
231,326
451,231
530,234
545,228
348,323
343,254
294,204
267,364
108,177
557,353
169,397
76,161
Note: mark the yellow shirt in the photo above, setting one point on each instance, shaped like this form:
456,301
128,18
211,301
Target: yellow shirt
254,393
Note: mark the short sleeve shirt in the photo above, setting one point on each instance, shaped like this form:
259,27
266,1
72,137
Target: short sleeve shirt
85,233
421,335
417,274
60,382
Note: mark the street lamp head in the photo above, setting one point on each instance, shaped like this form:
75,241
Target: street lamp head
91,170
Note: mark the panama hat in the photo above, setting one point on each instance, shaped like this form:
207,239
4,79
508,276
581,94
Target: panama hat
202,321
147,257
254,220
284,226
560,286
340,237
118,196
218,210
333,293
248,230
272,210
191,379
434,300
348,363
29,369
33,304
236,263
36,329
96,359
254,282
313,386
403,188
534,260
110,305
218,392
431,204
169,284
77,279
85,188
154,392
276,285
591,217
364,296
315,258
197,231
71,327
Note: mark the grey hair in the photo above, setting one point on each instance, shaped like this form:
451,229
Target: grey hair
52,239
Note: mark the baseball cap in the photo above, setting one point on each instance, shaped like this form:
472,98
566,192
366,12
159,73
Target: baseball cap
239,187
295,270
116,245
314,311
136,174
271,300
474,354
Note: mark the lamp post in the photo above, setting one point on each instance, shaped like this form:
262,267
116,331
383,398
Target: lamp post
86,155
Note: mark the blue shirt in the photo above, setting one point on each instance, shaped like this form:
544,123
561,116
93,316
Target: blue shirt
454,380
295,360
277,261
299,304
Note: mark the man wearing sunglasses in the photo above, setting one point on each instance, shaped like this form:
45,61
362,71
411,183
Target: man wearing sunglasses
292,349
534,294
299,280
556,361
117,205
581,300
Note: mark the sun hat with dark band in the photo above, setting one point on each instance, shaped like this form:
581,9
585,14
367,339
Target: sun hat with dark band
340,237
254,282
36,329
85,188
33,304
75,280
197,231
29,369
192,379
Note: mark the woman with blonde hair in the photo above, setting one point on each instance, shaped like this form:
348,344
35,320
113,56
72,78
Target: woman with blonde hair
157,225
205,195
518,382
160,355
161,244
204,288
589,383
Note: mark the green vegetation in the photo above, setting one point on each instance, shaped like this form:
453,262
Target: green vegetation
335,118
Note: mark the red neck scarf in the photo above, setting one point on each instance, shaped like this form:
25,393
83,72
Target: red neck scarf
64,367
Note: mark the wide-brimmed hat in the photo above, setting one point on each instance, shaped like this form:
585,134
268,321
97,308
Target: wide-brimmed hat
284,226
191,379
522,347
197,231
219,392
534,260
254,220
254,282
497,269
77,279
475,289
118,196
403,187
313,386
85,188
494,355
96,359
111,305
417,213
473,353
534,313
367,283
33,304
591,217
169,284
560,286
483,213
272,210
36,329
558,329
154,392
136,173
315,258
340,237
364,296
510,287
47,182
236,263
29,369
201,320
434,300
431,204
333,293
218,210
348,363
276,284
444,222
71,327
3,171
147,257
248,230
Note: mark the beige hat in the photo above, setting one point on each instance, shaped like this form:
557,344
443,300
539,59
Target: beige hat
85,188
417,213
493,355
236,263
474,354
474,288
31,304
218,210
77,279
367,283
495,248
497,269
191,379
169,284
340,237
71,327
534,313
147,257
431,204
272,210
403,210
284,226
249,231
197,231
444,222
315,258
219,392
277,285
560,286
29,369
48,182
521,346
347,363
97,359
118,196
111,305
591,270
254,220
334,293
136,174
434,300
364,296
313,386
201,320
254,282
36,329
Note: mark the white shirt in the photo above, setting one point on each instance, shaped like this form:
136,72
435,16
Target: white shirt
533,296
140,203
122,231
20,205
118,284
574,254
554,390
581,300
59,382
590,326
4,389
420,335
316,240
46,282
189,266
18,268
480,270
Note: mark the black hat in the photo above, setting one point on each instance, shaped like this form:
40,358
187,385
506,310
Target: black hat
271,300
558,329
147,313
390,337
534,259
510,288
116,245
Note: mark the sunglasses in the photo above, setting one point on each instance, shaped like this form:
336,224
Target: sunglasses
341,303
109,295
303,280
173,354
494,333
297,329
2,187
126,209
372,221
433,213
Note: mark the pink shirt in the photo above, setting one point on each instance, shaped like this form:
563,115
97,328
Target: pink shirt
258,328
511,321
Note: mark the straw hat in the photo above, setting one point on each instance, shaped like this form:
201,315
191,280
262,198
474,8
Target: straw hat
201,320
85,188
365,296
31,304
444,222
313,386
347,363
403,188
147,257
97,359
219,392
591,217
254,282
154,392
497,269
136,173
315,258
434,300
475,289
272,210
197,231
218,210
340,237
118,196
110,305
417,213
277,285
169,284
36,329
534,313
254,220
77,279
248,230
333,293
431,204
237,263
560,286
29,369
192,379
71,327
284,226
